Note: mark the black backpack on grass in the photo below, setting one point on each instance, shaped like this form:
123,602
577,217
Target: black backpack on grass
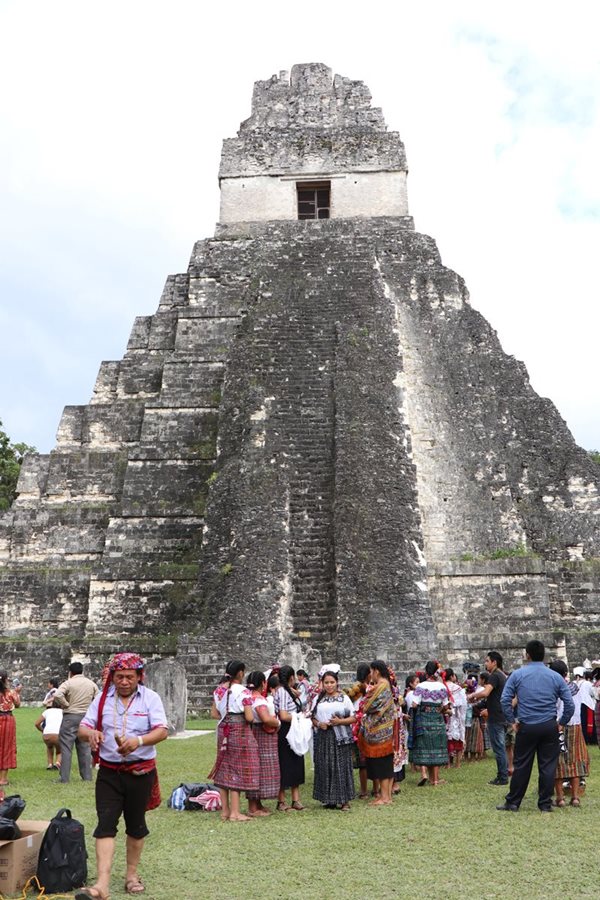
62,863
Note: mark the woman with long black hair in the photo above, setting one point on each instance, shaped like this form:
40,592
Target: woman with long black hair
332,716
291,766
430,745
376,735
357,693
237,766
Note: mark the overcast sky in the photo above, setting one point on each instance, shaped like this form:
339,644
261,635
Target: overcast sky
111,121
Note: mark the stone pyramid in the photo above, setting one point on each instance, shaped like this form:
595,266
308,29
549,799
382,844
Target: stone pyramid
314,448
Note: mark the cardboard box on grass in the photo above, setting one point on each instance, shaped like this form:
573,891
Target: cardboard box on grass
19,859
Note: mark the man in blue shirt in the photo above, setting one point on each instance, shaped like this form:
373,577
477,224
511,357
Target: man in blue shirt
537,689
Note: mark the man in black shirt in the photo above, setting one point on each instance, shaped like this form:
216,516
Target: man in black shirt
496,721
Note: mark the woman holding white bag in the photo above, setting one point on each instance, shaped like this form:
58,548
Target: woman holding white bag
287,702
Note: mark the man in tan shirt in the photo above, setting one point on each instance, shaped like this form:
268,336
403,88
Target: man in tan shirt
74,696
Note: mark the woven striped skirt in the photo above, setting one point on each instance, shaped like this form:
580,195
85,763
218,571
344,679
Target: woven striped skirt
8,741
237,767
334,779
268,757
474,740
430,744
576,761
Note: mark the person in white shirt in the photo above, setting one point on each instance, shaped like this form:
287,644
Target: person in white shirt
49,724
303,685
573,760
237,766
332,716
588,703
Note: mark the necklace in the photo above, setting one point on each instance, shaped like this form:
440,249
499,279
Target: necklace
124,714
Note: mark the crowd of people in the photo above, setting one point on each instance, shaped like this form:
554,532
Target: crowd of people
267,720
436,721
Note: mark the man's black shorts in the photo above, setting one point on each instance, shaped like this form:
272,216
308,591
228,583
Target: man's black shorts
122,793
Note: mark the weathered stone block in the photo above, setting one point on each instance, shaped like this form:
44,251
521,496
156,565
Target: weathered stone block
140,374
86,474
191,382
165,488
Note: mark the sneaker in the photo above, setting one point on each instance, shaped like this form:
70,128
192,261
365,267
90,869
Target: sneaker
498,780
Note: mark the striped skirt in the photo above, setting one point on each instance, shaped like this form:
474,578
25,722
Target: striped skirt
576,761
430,744
8,741
474,742
334,779
237,767
268,758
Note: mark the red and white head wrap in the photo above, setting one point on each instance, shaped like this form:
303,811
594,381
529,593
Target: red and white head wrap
122,661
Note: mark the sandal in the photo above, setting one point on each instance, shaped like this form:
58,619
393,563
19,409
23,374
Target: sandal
345,807
560,803
134,885
423,782
575,801
297,805
282,806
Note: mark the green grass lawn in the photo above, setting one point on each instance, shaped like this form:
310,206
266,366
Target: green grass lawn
446,842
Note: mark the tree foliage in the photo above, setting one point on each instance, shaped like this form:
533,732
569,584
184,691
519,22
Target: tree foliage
595,455
11,459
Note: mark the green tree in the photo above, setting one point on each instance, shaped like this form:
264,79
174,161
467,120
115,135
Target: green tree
595,455
11,459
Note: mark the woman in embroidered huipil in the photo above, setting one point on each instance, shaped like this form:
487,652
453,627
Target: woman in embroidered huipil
264,727
237,767
332,716
376,734
430,746
574,760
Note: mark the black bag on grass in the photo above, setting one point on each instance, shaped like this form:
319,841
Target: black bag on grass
9,830
12,807
62,863
179,798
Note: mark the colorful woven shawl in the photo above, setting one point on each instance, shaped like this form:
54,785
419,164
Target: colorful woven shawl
376,736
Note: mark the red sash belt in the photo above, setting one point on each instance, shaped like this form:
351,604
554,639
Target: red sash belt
139,767
135,767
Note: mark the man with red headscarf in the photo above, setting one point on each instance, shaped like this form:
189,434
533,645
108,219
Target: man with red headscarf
122,725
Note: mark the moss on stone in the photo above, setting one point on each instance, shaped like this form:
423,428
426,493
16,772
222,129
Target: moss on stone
178,571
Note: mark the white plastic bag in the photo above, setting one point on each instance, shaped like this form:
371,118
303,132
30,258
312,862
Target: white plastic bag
300,735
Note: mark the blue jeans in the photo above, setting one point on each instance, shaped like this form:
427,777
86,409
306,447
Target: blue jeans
497,733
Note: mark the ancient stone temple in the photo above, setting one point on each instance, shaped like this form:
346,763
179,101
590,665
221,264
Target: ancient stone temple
314,448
